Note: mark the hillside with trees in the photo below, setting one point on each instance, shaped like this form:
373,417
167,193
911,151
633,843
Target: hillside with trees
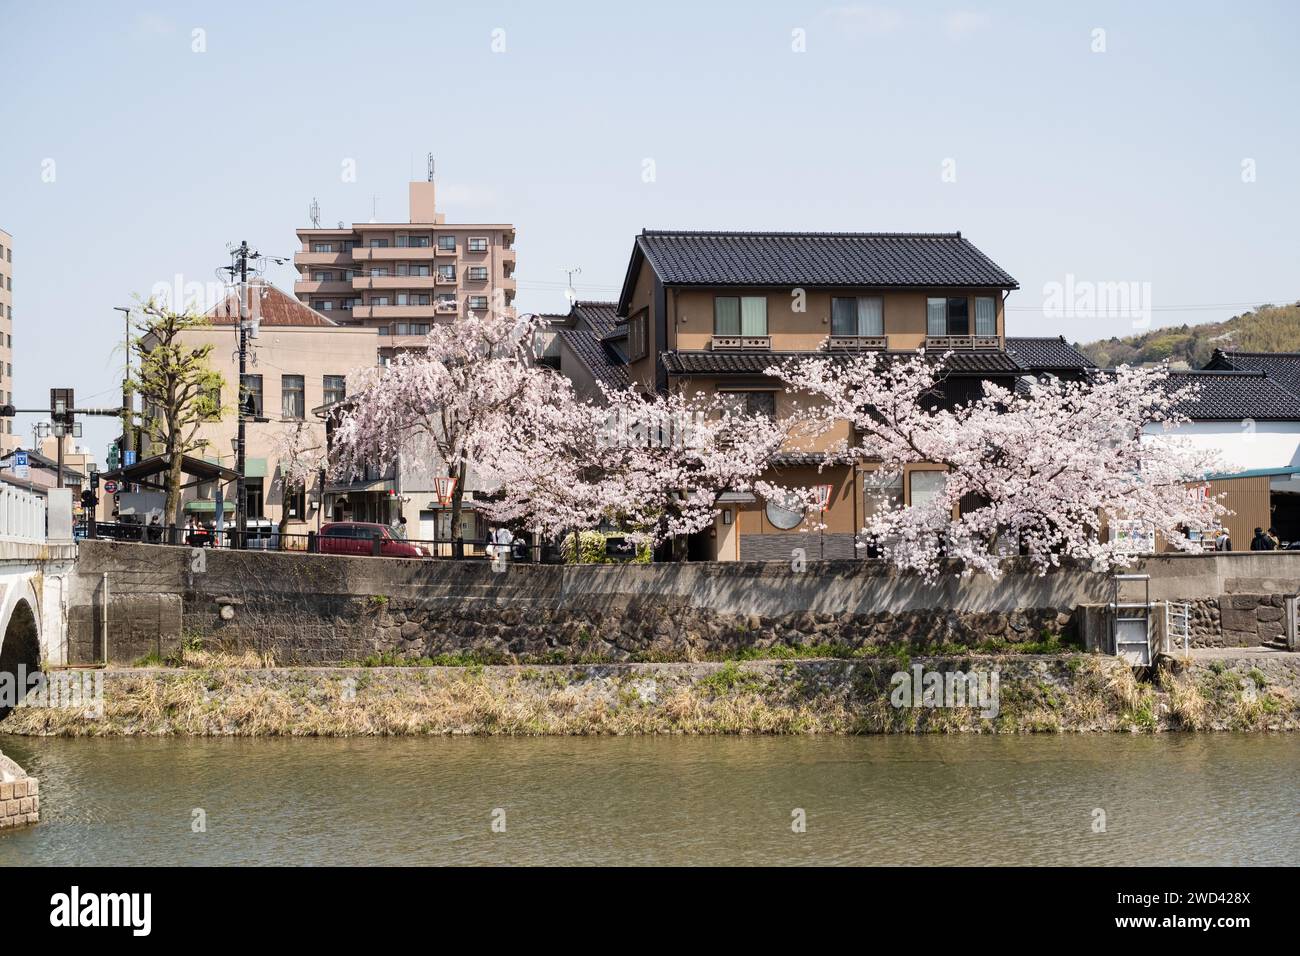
1270,328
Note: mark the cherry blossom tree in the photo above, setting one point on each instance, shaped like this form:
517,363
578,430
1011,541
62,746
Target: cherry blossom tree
655,464
458,392
299,447
1038,470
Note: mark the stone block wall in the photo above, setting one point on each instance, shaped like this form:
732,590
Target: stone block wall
20,801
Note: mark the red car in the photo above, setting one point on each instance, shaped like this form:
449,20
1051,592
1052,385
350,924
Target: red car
357,537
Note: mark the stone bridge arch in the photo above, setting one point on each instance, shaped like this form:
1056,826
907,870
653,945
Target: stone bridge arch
20,641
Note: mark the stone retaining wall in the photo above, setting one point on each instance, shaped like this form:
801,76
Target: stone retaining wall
329,609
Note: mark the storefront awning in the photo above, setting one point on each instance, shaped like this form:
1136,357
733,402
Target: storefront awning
206,506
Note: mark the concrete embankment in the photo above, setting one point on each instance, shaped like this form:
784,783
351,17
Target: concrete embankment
1029,694
20,800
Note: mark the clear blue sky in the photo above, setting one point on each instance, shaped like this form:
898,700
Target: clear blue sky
1123,165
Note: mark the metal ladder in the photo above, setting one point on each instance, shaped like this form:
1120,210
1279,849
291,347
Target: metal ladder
1178,625
1131,621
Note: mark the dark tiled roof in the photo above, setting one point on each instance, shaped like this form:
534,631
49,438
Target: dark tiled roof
1235,396
1282,367
1047,354
755,363
598,317
599,360
918,260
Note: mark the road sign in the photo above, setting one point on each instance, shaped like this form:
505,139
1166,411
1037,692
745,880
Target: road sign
22,467
110,487
128,458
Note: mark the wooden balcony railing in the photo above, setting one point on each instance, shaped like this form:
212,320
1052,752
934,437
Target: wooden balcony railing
956,342
741,343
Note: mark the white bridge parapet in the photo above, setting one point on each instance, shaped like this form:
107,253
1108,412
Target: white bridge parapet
22,515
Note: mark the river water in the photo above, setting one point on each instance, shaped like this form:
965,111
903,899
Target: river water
1167,799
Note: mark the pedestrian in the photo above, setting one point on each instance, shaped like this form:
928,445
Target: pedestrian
1275,538
1261,541
1222,540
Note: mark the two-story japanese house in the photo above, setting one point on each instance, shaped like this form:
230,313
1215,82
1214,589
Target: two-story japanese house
711,311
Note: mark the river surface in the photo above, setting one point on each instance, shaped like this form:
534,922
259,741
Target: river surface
1167,799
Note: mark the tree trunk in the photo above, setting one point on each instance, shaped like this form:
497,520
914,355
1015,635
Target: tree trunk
171,510
457,497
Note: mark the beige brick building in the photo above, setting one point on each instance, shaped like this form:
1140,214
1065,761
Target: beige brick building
401,278
298,361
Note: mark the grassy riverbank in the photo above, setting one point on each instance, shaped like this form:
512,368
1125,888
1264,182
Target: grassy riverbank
234,696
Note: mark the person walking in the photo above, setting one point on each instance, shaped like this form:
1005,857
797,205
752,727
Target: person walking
1222,540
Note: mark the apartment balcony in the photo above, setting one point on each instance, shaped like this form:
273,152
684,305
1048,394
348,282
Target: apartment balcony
962,342
322,287
392,282
394,253
394,312
403,342
449,253
446,280
446,308
741,343
323,258
857,343
508,260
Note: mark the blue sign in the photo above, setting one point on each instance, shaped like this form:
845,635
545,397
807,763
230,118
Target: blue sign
128,458
21,469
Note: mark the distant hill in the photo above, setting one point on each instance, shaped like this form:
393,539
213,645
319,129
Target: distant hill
1270,328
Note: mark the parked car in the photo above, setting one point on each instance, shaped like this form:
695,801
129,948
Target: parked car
357,537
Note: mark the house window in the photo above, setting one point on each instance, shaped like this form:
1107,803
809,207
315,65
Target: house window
478,273
322,247
413,242
447,272
380,271
295,502
253,497
292,404
478,244
925,486
638,345
379,300
251,385
753,403
947,316
863,315
882,491
478,302
986,316
447,243
334,388
322,276
740,315
378,243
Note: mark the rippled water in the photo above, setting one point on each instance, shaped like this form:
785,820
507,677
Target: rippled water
1176,799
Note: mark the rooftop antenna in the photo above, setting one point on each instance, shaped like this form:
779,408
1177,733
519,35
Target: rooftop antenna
569,292
431,167
315,213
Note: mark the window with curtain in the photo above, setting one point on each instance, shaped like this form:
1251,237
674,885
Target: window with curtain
986,316
726,315
844,316
292,404
753,315
936,316
334,388
252,386
926,486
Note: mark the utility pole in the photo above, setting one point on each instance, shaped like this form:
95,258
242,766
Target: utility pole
241,502
128,410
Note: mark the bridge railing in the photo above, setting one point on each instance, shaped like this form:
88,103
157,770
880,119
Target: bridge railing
22,515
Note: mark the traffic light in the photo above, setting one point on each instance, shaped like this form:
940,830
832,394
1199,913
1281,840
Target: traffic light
94,481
